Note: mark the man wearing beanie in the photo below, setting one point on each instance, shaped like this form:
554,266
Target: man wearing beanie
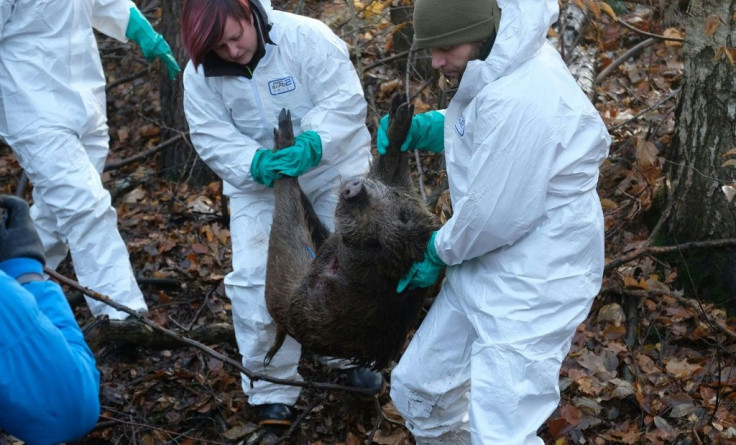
523,249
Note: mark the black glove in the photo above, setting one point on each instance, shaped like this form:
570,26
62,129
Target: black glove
18,236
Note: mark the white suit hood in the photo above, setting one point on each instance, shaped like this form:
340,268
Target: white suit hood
522,32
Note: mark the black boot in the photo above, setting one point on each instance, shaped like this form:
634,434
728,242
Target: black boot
276,414
365,378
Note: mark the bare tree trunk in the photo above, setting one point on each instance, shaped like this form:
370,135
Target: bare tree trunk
706,130
401,14
180,160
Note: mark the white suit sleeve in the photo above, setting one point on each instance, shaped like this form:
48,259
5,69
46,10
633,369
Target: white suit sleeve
111,17
340,109
227,151
508,177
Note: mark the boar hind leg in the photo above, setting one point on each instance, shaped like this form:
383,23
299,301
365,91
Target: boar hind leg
294,217
296,233
392,168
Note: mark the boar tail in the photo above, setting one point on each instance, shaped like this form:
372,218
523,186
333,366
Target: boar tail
280,337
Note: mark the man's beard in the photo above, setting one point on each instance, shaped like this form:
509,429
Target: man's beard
447,83
474,55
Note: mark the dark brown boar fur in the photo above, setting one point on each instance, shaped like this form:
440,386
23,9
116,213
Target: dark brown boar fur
343,302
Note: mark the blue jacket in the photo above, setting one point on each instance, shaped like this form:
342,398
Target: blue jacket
49,386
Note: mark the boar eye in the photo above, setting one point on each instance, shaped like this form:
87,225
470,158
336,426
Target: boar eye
403,217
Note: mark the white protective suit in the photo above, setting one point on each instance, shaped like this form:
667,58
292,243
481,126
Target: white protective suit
524,246
309,72
53,115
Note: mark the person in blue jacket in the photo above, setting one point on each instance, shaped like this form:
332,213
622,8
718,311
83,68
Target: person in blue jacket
49,386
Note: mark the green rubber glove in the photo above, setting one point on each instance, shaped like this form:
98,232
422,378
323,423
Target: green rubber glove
152,43
427,132
268,165
423,273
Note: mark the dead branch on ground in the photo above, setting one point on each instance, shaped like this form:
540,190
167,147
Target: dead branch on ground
253,376
634,254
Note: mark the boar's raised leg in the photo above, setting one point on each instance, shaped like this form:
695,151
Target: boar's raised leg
296,234
392,168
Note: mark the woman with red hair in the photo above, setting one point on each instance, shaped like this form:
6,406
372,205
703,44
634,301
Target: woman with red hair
247,63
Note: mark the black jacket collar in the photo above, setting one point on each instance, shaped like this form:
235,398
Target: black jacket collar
214,66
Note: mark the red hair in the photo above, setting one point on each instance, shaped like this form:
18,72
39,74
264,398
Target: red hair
203,24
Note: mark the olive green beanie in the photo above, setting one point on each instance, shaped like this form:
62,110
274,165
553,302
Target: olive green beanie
442,23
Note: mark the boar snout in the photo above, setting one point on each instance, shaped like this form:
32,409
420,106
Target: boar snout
352,188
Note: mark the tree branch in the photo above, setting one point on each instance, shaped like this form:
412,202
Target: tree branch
384,61
727,242
223,358
623,58
123,162
648,34
132,77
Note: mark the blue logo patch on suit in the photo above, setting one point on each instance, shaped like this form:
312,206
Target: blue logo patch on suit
460,125
281,86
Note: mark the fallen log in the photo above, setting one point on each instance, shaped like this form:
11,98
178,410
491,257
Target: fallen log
102,331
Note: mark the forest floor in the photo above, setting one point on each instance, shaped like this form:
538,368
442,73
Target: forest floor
651,364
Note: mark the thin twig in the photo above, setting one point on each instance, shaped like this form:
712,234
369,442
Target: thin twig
202,306
384,61
123,162
417,158
648,34
623,58
646,110
130,78
420,89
